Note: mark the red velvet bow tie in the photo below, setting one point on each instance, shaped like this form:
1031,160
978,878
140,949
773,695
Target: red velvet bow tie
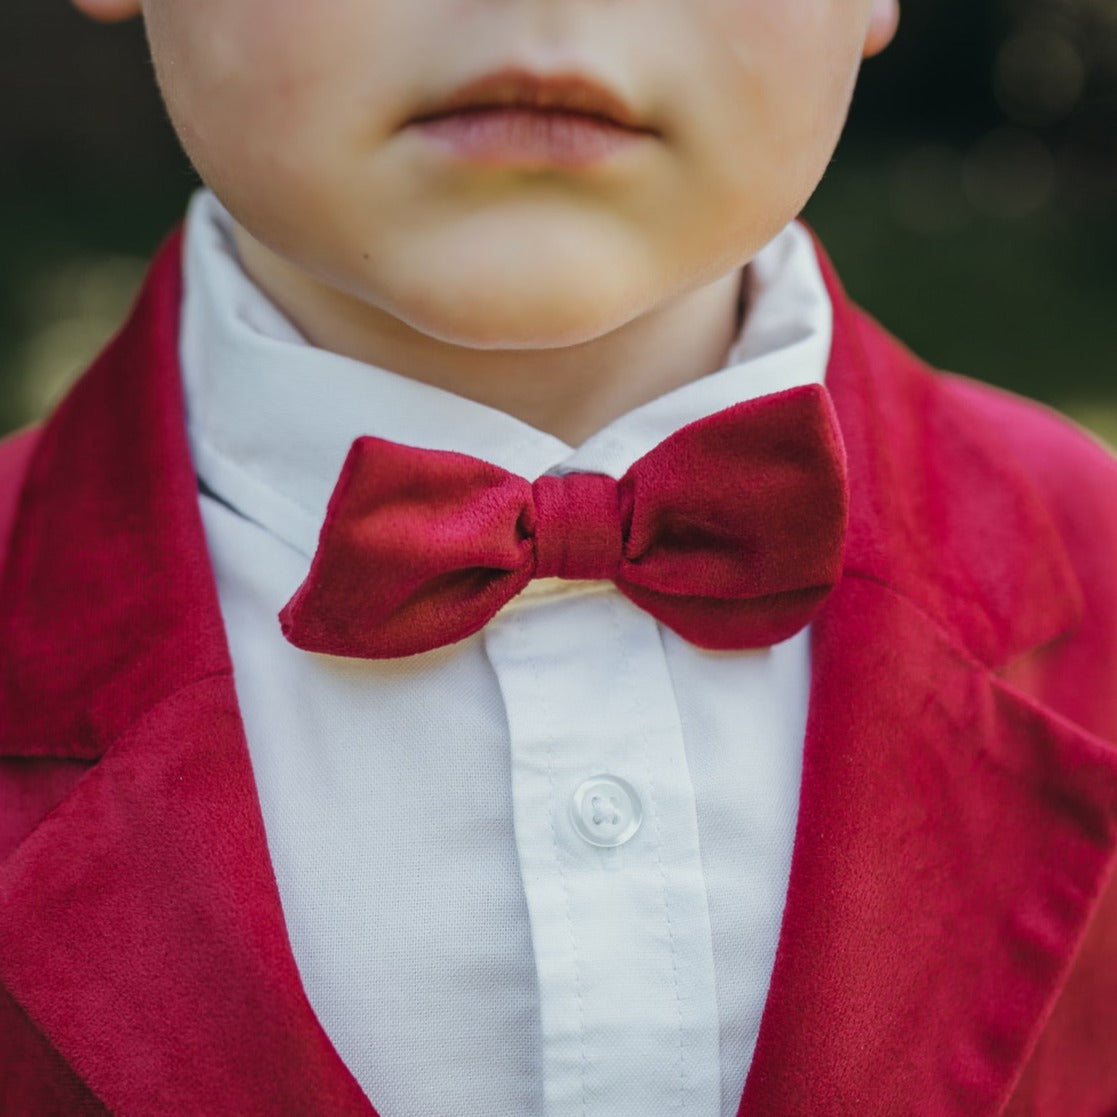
730,532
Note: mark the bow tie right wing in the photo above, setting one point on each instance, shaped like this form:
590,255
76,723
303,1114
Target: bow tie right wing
415,543
738,521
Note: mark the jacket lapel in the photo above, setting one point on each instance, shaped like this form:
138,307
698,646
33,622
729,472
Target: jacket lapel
954,836
140,924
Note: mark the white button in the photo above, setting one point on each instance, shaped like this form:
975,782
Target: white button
605,810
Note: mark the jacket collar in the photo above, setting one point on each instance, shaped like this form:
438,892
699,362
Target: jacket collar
107,547
939,512
150,884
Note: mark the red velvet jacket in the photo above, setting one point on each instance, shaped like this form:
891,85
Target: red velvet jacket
949,945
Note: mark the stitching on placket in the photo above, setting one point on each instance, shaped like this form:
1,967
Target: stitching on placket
653,808
545,698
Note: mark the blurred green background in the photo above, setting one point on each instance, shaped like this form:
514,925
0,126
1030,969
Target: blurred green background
972,205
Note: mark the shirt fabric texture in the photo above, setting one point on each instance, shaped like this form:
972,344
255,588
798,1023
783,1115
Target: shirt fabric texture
466,950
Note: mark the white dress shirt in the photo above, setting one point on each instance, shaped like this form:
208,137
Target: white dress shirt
542,871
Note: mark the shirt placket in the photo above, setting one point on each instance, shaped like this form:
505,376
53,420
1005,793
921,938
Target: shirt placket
607,840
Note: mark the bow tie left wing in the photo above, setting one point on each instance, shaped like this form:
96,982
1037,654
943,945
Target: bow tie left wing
415,543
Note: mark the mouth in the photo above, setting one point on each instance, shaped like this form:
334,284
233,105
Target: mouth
516,89
515,118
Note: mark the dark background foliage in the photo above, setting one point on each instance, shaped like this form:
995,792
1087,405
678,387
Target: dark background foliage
972,205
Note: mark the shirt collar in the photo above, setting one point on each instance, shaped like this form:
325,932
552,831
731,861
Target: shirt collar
271,417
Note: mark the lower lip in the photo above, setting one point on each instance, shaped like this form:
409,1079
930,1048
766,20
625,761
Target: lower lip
516,137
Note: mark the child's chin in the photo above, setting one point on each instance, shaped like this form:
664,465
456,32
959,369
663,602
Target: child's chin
540,309
515,324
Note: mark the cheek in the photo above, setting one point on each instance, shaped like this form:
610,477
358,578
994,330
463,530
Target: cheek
793,26
249,82
787,71
768,106
803,51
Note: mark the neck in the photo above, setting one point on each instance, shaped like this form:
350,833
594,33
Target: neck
568,392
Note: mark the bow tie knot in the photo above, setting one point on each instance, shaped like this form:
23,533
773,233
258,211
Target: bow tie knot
577,526
730,532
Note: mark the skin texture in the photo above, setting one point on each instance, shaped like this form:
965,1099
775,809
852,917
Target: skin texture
562,296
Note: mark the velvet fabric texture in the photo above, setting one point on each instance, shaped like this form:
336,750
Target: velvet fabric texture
949,943
730,532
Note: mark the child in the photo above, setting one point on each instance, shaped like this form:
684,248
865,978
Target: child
656,692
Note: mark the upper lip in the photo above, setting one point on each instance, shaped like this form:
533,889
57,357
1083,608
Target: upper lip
518,88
